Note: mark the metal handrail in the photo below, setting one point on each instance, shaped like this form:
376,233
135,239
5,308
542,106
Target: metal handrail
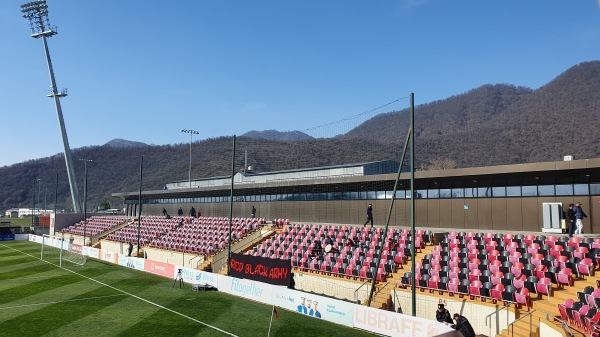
357,289
564,325
380,290
513,323
493,313
399,310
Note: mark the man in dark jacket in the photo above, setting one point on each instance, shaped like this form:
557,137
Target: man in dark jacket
463,325
369,216
570,219
442,315
579,216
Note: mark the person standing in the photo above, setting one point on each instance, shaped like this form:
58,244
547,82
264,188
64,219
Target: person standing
253,212
571,220
130,249
463,325
164,212
442,314
180,211
369,215
193,212
579,216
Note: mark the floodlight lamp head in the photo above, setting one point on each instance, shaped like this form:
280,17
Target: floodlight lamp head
37,14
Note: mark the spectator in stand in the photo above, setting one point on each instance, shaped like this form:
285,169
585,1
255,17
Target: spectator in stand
199,214
369,216
317,250
193,212
350,243
253,215
164,212
180,211
571,220
579,215
442,314
463,325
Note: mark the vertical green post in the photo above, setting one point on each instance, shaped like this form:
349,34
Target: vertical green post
413,252
231,207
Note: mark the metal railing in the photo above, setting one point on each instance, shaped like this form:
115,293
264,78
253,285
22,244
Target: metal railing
396,300
220,259
358,289
520,319
564,325
506,306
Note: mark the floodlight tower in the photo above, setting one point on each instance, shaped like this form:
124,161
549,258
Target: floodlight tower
37,14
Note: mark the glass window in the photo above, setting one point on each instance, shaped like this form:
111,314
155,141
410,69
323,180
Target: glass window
529,191
389,194
445,193
371,195
433,194
380,194
363,195
458,193
499,191
581,189
401,194
470,192
595,189
421,194
544,190
564,189
513,191
353,195
484,192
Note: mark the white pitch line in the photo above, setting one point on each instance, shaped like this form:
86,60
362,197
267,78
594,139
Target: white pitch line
57,302
130,294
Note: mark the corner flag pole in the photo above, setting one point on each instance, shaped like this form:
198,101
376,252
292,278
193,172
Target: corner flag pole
271,322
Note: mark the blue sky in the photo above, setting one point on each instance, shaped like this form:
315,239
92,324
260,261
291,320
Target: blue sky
144,70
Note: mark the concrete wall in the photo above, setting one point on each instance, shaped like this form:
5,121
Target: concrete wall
481,214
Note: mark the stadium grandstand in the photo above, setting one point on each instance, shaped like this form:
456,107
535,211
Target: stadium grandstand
483,246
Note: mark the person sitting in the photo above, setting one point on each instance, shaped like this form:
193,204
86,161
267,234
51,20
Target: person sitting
442,315
317,250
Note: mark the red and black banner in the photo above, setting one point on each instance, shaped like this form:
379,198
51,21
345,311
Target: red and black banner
262,269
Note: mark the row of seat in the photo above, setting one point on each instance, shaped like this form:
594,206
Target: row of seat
95,225
357,252
585,313
204,235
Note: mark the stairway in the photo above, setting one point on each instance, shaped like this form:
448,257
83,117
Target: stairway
545,304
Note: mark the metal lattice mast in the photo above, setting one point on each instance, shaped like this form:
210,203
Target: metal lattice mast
37,14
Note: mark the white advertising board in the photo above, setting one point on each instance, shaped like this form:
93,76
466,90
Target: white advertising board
326,308
252,290
389,323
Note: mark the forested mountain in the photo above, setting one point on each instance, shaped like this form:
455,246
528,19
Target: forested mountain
278,135
489,125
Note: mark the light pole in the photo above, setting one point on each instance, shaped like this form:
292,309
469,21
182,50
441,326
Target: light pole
191,132
39,204
37,14
85,161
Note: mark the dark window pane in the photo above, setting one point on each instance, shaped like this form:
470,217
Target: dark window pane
595,189
499,191
544,190
564,189
470,192
371,195
513,191
421,194
582,189
529,191
458,193
484,192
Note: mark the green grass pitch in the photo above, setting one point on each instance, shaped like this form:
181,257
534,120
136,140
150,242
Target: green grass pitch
101,299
